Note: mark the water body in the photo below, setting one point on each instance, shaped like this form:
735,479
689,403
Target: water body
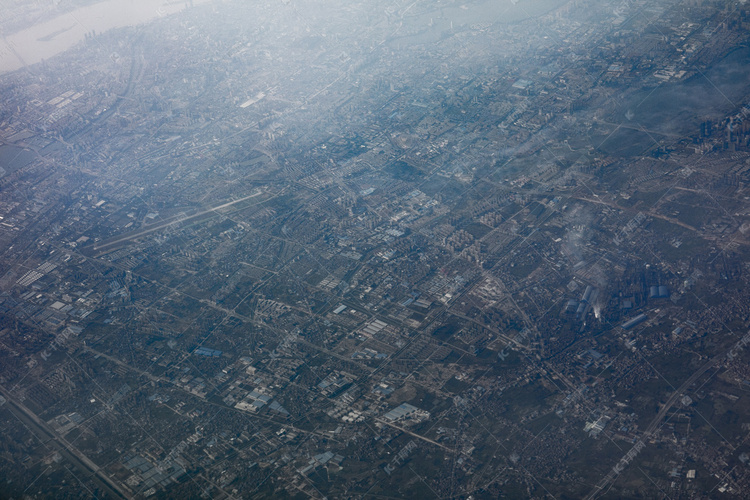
57,35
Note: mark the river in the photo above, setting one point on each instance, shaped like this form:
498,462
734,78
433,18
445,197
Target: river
52,37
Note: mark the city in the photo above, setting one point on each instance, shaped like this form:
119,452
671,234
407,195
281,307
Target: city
351,250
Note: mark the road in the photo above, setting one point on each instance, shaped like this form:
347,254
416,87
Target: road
656,422
67,450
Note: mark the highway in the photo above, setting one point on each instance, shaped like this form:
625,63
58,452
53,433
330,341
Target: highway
49,438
